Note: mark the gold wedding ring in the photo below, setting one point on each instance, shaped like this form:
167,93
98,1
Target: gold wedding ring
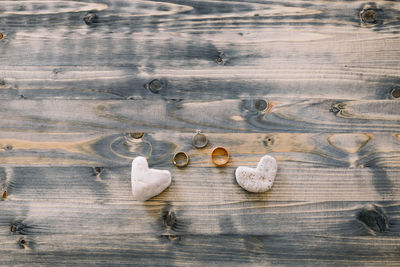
220,156
181,159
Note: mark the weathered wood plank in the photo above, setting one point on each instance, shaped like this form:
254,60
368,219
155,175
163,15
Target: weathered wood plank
202,50
310,83
272,115
200,250
66,82
55,231
58,216
56,212
294,182
351,150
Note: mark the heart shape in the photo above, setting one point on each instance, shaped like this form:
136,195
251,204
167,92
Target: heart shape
258,179
147,183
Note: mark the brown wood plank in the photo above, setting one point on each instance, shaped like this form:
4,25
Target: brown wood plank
109,150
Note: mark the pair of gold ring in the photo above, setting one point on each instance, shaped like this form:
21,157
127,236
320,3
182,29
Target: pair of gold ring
219,156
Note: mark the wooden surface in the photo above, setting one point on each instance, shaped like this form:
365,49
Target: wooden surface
316,84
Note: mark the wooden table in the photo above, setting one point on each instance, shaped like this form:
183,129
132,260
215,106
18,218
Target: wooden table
316,84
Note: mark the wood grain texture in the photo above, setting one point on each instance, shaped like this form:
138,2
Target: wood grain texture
109,150
201,50
313,83
56,211
198,250
327,210
294,183
283,115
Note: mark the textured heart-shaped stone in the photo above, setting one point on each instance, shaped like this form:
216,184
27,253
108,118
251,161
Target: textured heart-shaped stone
258,179
147,183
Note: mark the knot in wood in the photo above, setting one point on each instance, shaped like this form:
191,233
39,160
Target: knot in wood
16,227
260,104
155,86
22,242
174,237
374,218
220,59
98,170
90,18
19,227
369,16
395,93
169,218
8,147
1,35
337,108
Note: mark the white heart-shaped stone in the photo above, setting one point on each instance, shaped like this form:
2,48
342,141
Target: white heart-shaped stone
147,183
258,179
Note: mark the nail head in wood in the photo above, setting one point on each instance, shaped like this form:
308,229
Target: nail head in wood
1,35
268,141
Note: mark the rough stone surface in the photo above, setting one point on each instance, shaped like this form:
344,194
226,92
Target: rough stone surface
147,183
258,179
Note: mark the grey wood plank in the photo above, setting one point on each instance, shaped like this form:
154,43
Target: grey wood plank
279,115
82,214
70,82
202,50
294,182
52,215
55,232
311,83
200,250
